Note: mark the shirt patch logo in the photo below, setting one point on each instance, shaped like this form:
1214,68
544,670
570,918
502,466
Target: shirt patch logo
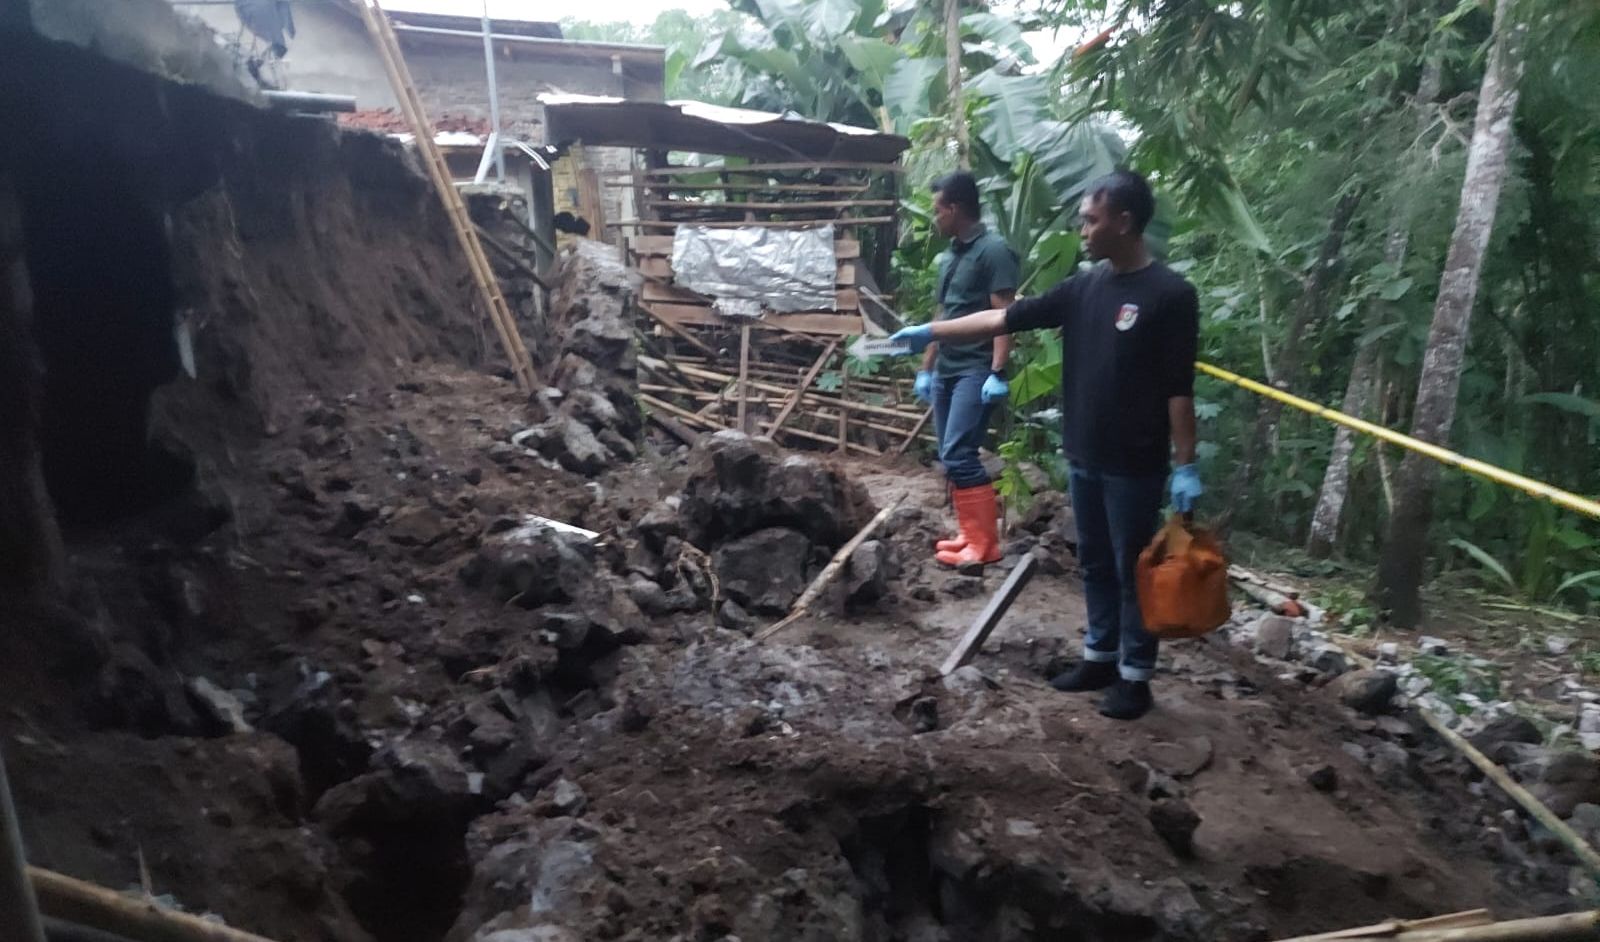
1127,316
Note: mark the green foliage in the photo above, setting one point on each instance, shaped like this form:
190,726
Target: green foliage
1452,677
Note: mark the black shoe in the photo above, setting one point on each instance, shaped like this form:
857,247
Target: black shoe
1128,700
1088,675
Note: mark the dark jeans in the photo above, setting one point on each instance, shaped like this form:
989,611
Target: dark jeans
961,420
1117,517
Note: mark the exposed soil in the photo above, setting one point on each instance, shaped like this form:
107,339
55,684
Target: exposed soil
333,683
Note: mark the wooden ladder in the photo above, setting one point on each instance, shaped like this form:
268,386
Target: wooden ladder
405,91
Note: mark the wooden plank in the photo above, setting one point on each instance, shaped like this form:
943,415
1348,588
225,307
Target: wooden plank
847,299
990,616
800,390
744,376
87,904
763,168
687,314
780,224
646,245
769,206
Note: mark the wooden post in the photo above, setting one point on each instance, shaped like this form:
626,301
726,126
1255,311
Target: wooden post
991,615
744,375
18,909
844,413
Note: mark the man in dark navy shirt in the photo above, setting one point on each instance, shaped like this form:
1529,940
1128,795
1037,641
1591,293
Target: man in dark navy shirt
1129,329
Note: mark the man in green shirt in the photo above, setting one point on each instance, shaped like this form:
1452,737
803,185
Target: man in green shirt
963,381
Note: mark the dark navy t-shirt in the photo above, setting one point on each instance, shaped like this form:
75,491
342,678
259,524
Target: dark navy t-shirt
1127,346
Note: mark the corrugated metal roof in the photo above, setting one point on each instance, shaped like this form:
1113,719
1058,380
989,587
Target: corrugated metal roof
711,129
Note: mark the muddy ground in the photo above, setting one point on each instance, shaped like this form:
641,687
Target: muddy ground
418,757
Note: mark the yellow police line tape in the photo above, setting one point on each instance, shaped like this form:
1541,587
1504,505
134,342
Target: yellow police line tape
1529,486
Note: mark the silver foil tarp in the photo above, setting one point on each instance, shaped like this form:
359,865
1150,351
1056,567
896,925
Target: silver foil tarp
748,269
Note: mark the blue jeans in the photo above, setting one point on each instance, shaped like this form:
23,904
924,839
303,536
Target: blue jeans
1117,517
961,420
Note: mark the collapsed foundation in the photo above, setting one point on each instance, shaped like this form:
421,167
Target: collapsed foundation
277,622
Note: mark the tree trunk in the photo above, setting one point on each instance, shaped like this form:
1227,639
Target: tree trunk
1313,298
1363,373
952,66
1400,569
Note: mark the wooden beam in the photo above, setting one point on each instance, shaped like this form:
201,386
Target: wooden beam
805,383
770,206
826,576
754,224
643,245
763,168
900,449
832,324
659,267
845,299
990,616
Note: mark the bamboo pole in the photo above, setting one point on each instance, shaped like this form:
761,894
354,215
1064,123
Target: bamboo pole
139,920
1470,927
844,414
378,27
830,571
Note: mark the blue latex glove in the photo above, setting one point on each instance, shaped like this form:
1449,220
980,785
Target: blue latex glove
995,389
923,387
1186,488
917,338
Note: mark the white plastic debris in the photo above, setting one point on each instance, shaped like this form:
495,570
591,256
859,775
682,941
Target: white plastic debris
1558,644
867,347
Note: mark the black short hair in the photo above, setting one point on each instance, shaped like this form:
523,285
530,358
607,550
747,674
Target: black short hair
960,189
1126,192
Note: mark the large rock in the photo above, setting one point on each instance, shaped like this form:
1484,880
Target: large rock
765,571
868,573
1275,637
739,485
569,443
1562,779
1366,691
531,567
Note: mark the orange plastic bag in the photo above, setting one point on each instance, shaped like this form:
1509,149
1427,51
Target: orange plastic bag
1182,580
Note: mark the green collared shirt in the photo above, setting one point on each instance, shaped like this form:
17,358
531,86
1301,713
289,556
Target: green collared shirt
969,272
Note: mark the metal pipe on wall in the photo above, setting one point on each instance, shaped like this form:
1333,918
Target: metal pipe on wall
494,99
